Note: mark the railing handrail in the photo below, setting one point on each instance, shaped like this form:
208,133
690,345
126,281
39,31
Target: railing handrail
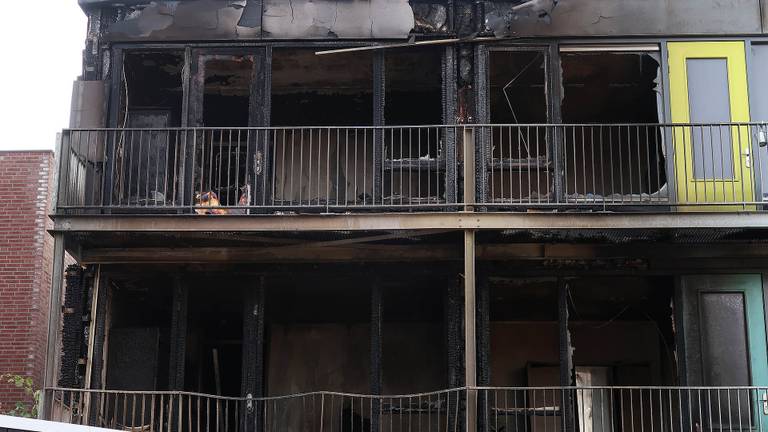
404,395
425,126
211,170
262,398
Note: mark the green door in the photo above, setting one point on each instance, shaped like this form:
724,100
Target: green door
725,341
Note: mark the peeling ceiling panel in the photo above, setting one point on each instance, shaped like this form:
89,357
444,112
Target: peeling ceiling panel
346,19
189,20
281,19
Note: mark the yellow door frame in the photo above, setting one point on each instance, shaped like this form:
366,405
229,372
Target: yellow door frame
691,190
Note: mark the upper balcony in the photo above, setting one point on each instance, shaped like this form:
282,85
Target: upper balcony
573,168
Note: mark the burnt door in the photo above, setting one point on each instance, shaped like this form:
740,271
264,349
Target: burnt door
226,154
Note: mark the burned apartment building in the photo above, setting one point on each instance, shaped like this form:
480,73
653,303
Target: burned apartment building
424,215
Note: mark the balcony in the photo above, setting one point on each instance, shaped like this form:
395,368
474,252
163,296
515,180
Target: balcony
625,168
492,409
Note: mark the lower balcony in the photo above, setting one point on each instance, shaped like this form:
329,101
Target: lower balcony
586,167
488,409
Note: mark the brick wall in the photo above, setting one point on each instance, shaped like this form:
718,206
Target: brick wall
26,252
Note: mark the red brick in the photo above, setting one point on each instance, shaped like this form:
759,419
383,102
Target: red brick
26,252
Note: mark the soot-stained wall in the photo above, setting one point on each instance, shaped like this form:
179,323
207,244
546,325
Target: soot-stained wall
396,19
251,19
631,17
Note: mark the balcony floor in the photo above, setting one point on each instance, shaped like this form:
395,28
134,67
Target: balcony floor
597,221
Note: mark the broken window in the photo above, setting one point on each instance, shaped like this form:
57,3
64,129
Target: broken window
622,335
524,332
215,334
620,331
321,90
322,166
151,97
318,328
524,351
414,157
152,83
635,314
226,90
139,343
413,347
623,158
414,88
520,165
222,171
610,148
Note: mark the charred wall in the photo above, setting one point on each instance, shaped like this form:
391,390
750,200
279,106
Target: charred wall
553,18
146,20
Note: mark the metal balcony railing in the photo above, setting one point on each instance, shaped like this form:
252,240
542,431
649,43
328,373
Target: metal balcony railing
490,409
317,411
234,171
627,167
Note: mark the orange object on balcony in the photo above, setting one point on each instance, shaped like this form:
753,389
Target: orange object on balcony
207,203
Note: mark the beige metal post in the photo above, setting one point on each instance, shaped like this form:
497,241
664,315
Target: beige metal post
470,346
54,321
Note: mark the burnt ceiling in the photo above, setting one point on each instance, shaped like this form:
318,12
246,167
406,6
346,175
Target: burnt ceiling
203,20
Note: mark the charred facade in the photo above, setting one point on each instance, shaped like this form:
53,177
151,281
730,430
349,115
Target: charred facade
444,215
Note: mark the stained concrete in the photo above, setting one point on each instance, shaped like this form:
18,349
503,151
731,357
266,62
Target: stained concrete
622,18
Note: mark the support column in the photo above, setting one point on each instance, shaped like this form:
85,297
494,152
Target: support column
260,148
98,333
470,343
379,96
178,336
54,322
566,356
376,354
253,353
183,148
92,324
450,134
454,342
554,115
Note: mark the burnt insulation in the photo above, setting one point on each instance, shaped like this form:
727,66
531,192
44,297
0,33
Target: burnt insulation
72,328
